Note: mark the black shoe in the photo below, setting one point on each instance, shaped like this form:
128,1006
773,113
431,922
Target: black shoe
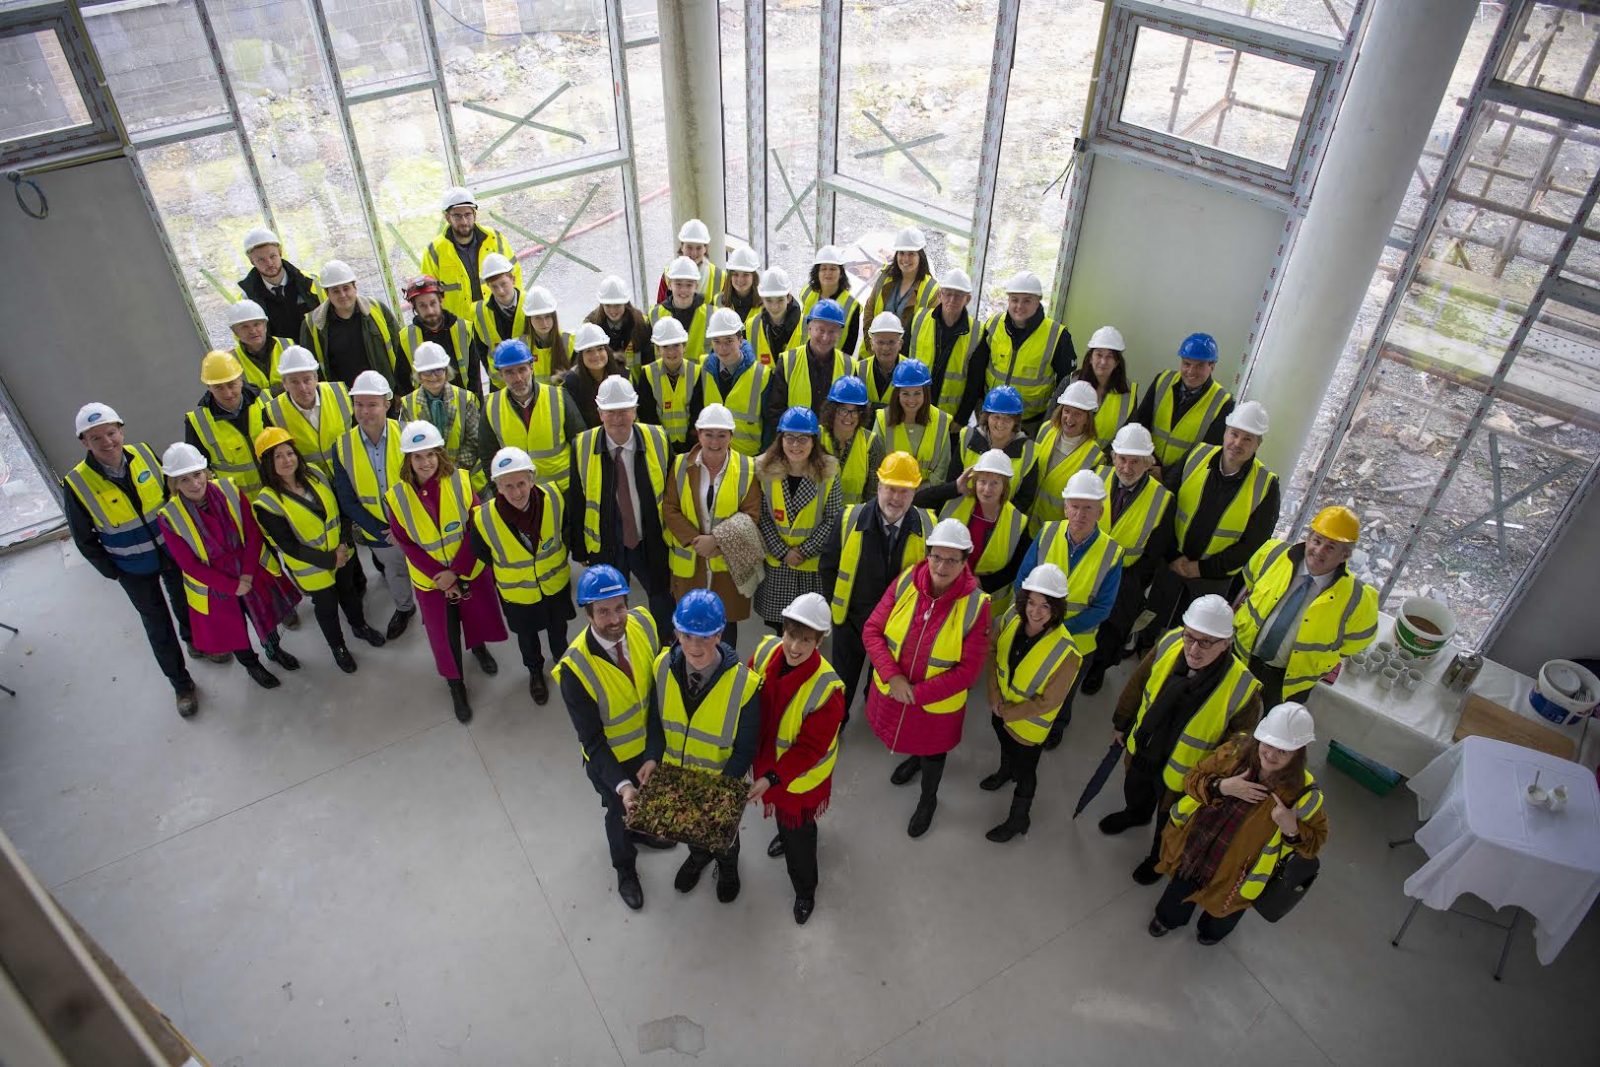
344,659
218,657
1016,823
906,771
194,653
1092,681
803,907
486,660
727,881
996,780
1207,941
1155,928
1058,729
651,841
1146,873
922,818
261,676
538,688
689,874
1119,821
629,889
458,697
398,623
188,702
369,635
775,846
291,621
275,652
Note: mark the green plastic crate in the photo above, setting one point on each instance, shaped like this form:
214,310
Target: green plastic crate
1370,773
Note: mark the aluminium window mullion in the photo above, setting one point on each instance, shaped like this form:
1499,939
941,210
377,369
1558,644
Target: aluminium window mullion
755,151
441,93
994,121
203,13
630,177
830,62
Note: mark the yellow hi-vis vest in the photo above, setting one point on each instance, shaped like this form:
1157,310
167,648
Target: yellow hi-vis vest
1173,441
458,401
440,539
1053,650
232,455
1274,850
695,347
710,285
624,700
672,395
1115,410
486,326
920,297
253,374
181,519
443,262
351,452
120,522
543,437
1028,369
744,400
1205,728
703,741
796,363
794,525
460,349
1053,475
544,357
1236,516
1021,451
862,369
846,301
932,452
1085,577
737,479
316,443
853,465
378,315
925,346
946,652
850,534
310,529
807,700
755,331
593,448
1138,520
1339,621
1003,538
523,576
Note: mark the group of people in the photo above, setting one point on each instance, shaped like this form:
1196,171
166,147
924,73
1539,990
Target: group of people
954,500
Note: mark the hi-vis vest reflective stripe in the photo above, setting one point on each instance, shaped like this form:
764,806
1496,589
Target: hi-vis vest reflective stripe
672,396
1085,577
794,525
875,397
1173,441
1339,621
920,297
543,437
1138,520
1022,453
797,373
544,357
846,301
1205,727
744,400
925,346
180,518
1115,409
1002,542
440,539
525,577
710,284
460,345
443,262
1274,850
695,347
375,315
1230,527
127,534
352,454
853,466
737,479
310,529
808,699
231,454
932,452
1052,651
704,741
946,652
755,330
1028,369
1053,476
316,443
916,550
486,326
262,380
593,448
624,700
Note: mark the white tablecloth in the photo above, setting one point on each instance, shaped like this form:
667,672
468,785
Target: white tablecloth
1483,837
1406,730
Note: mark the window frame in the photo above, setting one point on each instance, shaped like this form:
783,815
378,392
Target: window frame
102,128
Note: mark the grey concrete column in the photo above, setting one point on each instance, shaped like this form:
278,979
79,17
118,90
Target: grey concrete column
691,77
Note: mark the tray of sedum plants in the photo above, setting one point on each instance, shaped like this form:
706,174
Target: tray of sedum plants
694,807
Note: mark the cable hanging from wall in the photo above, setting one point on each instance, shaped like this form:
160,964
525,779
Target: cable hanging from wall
17,180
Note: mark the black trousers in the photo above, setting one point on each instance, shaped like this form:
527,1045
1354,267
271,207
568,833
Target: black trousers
1020,759
1173,911
657,586
1114,631
728,859
1144,795
1271,679
145,591
849,658
800,855
342,595
1170,596
555,637
623,850
1064,716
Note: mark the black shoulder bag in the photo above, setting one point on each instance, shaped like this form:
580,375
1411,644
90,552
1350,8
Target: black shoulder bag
1289,882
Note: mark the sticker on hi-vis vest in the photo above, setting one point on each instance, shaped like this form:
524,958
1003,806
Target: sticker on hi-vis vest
777,513
452,527
145,476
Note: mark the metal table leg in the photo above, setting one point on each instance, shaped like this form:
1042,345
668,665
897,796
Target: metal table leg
1412,914
1505,947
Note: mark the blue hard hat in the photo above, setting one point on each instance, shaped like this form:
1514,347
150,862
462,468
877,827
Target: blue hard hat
1201,347
1003,400
699,614
511,354
797,420
827,311
601,582
849,390
911,374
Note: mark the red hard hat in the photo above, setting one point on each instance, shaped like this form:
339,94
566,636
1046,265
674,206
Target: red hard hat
423,283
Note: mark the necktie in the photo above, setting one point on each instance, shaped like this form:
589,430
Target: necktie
277,291
1288,614
630,525
620,654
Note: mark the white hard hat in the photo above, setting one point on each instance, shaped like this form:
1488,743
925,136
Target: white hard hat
96,414
744,258
613,290
1025,281
1084,485
245,311
454,196
909,239
616,393
538,301
509,460
956,280
1287,726
694,231
419,436
258,237
993,461
1080,395
296,359
810,609
1250,416
683,269
828,254
724,323
589,336
949,533
1048,579
886,322
1133,440
182,458
714,417
336,272
494,265
1108,337
430,356
668,331
370,383
774,282
1211,615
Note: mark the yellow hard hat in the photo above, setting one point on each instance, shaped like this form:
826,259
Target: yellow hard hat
900,469
219,368
270,438
1337,523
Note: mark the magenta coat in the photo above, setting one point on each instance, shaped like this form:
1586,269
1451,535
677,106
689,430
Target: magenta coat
906,728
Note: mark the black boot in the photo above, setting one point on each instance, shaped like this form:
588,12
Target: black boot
1093,678
261,676
485,660
397,624
999,778
728,880
538,688
775,847
458,697
629,889
689,874
1119,821
344,659
369,635
922,818
275,652
188,701
1057,730
906,771
1016,823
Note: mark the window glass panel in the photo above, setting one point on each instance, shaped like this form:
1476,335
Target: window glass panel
402,150
650,159
866,233
27,502
736,168
793,52
37,92
375,40
157,63
640,20
1553,52
1330,18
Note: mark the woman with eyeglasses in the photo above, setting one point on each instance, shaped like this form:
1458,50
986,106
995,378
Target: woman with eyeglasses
800,507
847,438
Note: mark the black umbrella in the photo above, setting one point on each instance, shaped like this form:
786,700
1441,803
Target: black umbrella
1097,781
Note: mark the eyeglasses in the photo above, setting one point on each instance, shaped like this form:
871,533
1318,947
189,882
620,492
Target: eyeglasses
946,561
1204,642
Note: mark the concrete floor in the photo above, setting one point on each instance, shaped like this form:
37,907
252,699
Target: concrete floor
338,872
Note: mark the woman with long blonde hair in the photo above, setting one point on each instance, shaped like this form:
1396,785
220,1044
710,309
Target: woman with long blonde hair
801,505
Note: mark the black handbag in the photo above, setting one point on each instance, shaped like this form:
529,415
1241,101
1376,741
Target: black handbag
1288,884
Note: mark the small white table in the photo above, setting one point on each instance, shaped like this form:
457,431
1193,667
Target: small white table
1483,837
